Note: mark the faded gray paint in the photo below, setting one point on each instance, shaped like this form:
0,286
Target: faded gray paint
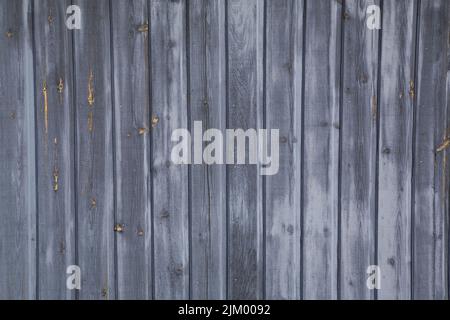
85,123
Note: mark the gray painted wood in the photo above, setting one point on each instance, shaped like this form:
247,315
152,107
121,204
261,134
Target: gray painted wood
170,192
431,165
359,150
283,92
17,153
244,184
207,99
55,149
395,148
363,175
94,157
321,149
132,145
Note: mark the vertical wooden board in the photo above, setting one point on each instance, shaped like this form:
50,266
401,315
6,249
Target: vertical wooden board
169,106
94,170
431,157
359,150
321,149
447,118
17,153
244,184
207,104
132,143
283,112
395,148
54,145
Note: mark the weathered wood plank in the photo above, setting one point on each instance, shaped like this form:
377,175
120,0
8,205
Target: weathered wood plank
132,143
447,173
17,153
207,102
359,150
321,149
169,105
430,162
244,184
94,156
55,150
395,148
283,111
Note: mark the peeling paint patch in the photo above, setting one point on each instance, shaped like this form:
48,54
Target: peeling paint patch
444,145
143,28
91,89
90,121
105,293
119,228
93,203
142,131
9,34
55,179
60,85
155,121
412,92
44,93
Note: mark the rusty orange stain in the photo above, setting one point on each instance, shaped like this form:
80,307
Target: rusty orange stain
444,145
91,89
55,179
44,92
143,28
411,89
142,131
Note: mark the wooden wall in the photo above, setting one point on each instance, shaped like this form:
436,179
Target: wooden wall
86,179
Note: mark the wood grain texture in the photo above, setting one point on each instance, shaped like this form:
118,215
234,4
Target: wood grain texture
17,153
359,150
430,165
132,145
55,149
395,148
244,184
321,149
170,192
283,92
207,101
86,178
94,157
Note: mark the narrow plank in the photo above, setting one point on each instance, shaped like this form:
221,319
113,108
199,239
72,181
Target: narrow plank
207,104
17,153
359,150
283,111
244,183
395,148
132,143
321,149
54,145
169,106
94,170
447,118
430,164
